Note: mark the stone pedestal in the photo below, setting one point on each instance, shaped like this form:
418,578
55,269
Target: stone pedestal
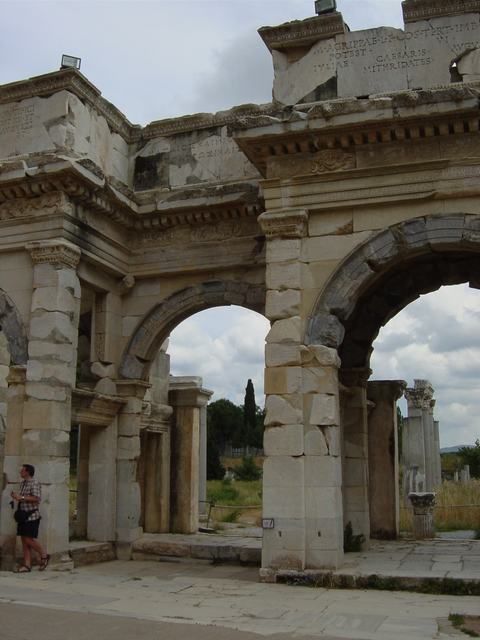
187,399
354,420
383,487
423,504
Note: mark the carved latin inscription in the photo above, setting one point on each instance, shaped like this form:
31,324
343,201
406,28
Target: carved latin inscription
16,120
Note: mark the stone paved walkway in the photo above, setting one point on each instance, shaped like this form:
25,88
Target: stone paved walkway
231,597
424,566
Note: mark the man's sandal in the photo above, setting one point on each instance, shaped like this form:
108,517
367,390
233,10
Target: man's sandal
44,563
23,569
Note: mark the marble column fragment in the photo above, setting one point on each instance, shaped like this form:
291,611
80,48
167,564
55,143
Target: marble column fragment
187,398
383,457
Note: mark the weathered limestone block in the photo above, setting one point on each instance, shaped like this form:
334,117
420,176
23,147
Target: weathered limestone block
285,440
55,327
282,410
58,373
39,350
285,331
323,500
281,355
284,275
321,440
283,380
44,391
324,532
45,275
53,299
322,409
283,250
284,471
319,380
316,354
323,471
53,443
282,304
44,414
284,546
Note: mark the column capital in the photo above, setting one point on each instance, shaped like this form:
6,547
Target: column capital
58,252
421,395
132,388
187,391
391,389
284,224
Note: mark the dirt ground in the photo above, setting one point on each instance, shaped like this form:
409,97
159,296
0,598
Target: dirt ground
471,624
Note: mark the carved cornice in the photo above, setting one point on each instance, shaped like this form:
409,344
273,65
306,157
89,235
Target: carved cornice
173,126
52,192
323,136
57,252
415,10
49,204
303,33
291,224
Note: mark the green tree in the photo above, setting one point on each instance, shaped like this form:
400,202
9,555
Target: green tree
471,456
249,415
224,423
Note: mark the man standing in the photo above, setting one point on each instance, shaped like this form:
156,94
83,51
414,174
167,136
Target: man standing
28,501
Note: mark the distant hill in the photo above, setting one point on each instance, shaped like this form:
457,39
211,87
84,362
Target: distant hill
453,449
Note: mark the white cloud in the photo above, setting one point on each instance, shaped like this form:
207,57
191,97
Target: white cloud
225,346
437,338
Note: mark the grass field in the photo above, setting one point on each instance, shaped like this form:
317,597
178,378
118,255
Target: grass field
457,507
239,501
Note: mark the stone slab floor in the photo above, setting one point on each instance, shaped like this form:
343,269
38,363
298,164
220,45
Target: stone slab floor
230,597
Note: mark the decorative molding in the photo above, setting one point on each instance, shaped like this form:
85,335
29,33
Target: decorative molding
291,224
49,204
415,10
174,126
303,33
324,161
57,252
92,408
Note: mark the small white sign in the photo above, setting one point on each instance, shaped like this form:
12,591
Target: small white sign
268,523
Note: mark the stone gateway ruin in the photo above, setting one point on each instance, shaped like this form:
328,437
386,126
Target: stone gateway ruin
328,210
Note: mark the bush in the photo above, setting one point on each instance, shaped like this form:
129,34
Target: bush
248,470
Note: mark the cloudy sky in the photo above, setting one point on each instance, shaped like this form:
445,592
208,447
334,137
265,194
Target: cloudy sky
161,58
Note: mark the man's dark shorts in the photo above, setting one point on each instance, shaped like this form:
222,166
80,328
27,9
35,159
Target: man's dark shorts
28,529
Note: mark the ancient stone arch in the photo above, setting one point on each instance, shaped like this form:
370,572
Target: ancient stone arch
329,209
387,272
161,320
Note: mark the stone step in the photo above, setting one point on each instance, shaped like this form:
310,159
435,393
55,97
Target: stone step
201,546
84,552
